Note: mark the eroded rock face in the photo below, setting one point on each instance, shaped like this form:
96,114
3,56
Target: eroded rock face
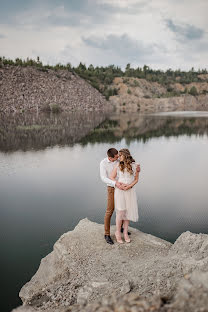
141,95
177,103
192,250
32,89
83,273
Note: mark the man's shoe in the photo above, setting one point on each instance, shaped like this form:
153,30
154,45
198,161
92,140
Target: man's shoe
129,233
109,239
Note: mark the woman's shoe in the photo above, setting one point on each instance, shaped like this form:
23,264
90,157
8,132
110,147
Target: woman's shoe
119,239
126,238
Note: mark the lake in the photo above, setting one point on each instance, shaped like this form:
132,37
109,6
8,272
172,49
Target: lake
49,180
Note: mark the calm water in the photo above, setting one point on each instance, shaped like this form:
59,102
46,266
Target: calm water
49,180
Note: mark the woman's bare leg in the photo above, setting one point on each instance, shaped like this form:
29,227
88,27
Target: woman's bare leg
118,229
125,225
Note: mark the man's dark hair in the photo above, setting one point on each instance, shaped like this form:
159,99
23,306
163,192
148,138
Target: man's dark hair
112,152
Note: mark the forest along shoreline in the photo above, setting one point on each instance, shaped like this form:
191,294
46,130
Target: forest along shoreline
30,86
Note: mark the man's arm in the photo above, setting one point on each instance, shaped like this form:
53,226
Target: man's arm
104,177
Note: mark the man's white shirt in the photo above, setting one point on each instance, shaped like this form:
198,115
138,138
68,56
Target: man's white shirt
106,168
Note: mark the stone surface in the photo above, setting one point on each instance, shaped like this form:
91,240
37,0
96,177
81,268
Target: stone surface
192,250
192,294
83,273
141,95
32,89
177,103
24,309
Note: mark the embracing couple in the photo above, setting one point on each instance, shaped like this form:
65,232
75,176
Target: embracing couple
120,172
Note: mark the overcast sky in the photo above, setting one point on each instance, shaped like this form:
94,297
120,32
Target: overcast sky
160,33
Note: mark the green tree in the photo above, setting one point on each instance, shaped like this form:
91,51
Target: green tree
193,91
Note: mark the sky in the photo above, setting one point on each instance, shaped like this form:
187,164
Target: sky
159,33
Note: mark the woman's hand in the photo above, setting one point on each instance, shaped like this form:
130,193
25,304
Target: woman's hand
127,187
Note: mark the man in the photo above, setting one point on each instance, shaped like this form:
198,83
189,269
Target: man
106,167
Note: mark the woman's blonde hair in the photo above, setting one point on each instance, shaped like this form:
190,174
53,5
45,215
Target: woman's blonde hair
128,160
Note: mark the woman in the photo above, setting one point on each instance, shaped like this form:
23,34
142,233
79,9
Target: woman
125,200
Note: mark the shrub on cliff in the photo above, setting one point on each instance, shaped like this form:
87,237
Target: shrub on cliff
54,108
193,91
110,92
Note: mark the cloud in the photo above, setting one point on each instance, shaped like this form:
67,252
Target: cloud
185,31
104,32
10,9
59,13
123,45
75,13
123,6
111,49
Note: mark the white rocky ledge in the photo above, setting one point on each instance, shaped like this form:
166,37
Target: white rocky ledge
83,273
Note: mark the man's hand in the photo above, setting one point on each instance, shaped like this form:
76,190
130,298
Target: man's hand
138,168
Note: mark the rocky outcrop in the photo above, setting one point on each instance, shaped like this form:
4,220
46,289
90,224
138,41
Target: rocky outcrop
34,89
83,273
143,105
138,87
141,95
203,77
201,87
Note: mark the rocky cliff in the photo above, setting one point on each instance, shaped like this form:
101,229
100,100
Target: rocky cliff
141,95
34,89
83,273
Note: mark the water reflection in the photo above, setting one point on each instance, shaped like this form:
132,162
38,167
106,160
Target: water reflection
34,132
38,131
144,127
49,178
